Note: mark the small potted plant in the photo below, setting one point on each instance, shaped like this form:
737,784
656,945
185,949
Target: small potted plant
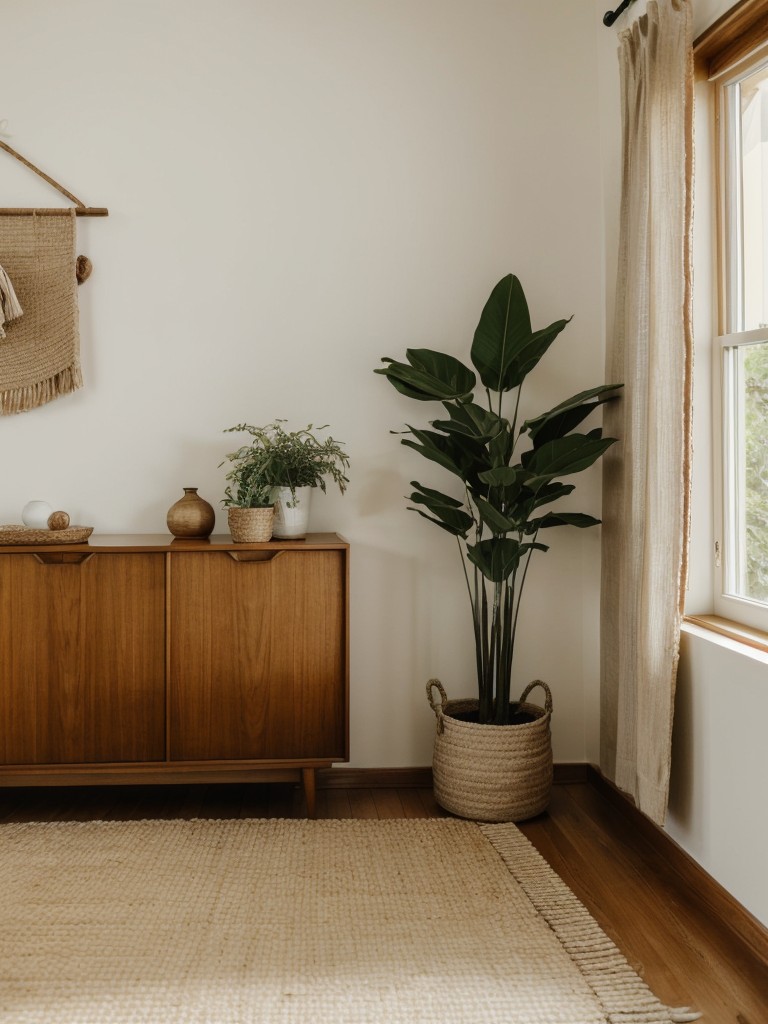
493,756
248,497
290,464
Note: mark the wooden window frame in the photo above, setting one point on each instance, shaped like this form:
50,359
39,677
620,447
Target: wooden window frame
737,38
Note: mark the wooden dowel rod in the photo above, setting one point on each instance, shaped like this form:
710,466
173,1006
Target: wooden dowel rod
42,174
56,211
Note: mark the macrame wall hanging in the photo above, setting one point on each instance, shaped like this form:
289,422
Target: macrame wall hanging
39,323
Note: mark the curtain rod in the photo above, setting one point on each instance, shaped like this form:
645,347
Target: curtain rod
610,16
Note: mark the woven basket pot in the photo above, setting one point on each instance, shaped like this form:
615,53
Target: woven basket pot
251,525
491,772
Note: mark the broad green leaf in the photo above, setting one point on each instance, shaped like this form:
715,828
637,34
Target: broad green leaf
436,448
501,476
406,389
550,493
584,400
529,353
533,546
429,376
443,526
563,418
464,458
443,367
455,519
500,448
580,519
471,420
504,326
496,558
446,499
492,516
563,456
562,424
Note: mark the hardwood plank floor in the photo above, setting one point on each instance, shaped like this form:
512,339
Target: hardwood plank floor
661,928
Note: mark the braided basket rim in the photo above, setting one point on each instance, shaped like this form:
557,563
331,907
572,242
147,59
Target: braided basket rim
472,704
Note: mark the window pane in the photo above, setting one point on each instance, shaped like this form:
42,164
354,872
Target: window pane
748,472
754,189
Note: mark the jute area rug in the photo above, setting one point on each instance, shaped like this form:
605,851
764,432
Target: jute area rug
349,922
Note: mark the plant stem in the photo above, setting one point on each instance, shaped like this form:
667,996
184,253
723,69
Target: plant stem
473,603
514,419
506,653
485,695
497,640
520,591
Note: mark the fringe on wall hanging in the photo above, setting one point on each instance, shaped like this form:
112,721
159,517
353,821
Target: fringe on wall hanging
40,348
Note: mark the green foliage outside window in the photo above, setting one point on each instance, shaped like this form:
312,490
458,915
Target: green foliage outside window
756,467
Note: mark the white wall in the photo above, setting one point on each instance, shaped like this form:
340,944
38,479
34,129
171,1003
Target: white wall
295,190
720,761
719,764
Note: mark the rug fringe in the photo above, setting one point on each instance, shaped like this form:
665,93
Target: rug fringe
33,395
623,995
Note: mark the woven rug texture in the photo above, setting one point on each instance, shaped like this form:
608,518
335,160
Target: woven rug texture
248,921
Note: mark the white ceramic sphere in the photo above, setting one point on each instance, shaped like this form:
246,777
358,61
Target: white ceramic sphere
35,515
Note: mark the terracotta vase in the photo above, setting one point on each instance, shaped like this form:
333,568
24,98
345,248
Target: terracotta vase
191,516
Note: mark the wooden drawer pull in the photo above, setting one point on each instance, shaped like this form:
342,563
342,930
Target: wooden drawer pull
63,557
255,556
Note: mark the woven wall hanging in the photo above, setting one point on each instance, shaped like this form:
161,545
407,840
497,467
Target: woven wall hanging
39,323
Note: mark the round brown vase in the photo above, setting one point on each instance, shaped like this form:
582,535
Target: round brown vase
491,772
191,516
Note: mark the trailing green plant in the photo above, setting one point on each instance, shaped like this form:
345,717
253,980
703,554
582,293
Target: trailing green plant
506,489
275,457
251,488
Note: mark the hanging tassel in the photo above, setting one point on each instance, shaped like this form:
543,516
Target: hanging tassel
9,304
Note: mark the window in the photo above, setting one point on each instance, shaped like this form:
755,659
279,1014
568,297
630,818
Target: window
742,353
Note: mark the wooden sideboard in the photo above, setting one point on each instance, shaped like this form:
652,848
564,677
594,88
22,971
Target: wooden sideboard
142,658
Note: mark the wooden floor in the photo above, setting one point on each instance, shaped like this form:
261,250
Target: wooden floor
683,955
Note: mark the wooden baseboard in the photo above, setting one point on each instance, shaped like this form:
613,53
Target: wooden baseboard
374,778
718,903
420,778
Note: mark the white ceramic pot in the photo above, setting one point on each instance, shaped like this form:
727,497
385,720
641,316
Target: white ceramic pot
291,513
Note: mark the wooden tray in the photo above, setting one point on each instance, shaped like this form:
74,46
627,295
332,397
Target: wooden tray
24,535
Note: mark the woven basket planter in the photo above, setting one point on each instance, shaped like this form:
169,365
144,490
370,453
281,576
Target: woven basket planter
491,772
251,525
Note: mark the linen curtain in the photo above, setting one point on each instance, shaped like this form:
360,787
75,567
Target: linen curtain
646,476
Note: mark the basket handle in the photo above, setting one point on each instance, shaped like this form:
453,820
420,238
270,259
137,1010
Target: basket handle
439,709
547,693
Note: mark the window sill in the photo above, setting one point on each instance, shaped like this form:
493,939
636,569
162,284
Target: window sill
740,636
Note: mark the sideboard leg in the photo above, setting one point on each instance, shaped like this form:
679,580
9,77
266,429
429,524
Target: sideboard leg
308,778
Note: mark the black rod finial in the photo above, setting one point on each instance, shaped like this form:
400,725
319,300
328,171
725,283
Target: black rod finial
610,16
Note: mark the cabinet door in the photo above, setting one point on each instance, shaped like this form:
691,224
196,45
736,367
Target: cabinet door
82,663
258,656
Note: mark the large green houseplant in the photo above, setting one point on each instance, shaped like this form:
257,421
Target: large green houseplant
509,471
